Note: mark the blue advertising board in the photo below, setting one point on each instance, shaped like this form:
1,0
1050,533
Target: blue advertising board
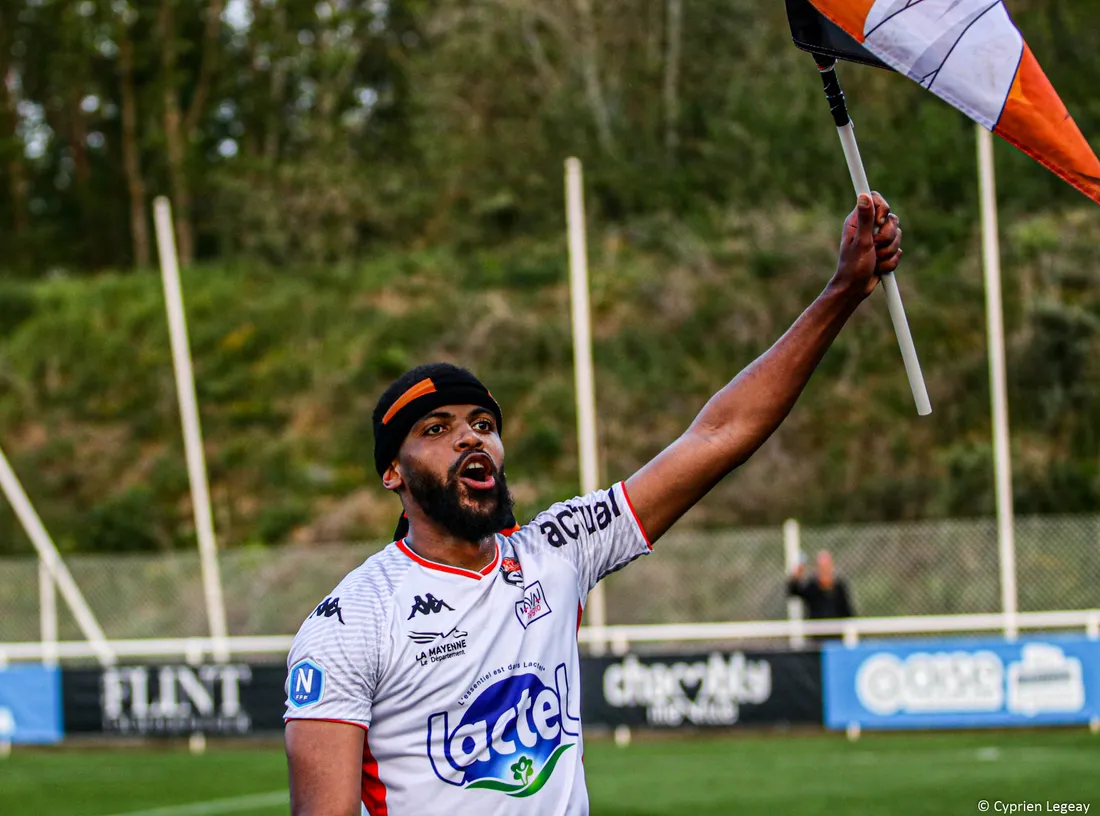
30,704
962,683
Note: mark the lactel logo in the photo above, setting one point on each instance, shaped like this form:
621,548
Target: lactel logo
509,739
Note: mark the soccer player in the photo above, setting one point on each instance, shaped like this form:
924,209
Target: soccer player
441,676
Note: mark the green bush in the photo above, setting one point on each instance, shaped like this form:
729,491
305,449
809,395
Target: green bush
124,522
16,305
289,364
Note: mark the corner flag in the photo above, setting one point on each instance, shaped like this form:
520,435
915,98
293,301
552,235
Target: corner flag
970,54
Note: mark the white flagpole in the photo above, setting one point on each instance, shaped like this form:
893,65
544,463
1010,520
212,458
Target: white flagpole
49,556
192,433
583,368
889,283
862,186
995,333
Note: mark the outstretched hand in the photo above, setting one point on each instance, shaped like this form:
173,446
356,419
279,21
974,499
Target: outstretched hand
864,255
739,418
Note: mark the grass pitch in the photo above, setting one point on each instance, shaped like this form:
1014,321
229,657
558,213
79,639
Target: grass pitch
898,774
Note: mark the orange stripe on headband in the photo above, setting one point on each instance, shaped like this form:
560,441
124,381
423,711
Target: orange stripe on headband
421,389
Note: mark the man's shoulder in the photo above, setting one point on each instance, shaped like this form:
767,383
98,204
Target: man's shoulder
569,520
362,597
378,578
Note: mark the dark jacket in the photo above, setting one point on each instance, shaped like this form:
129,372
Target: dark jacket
822,603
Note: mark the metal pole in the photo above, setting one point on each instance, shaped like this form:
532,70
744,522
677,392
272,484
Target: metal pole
48,610
192,433
1002,463
792,546
49,556
583,368
862,186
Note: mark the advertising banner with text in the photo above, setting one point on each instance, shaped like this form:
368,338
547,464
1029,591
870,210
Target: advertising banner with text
959,683
708,689
660,691
171,700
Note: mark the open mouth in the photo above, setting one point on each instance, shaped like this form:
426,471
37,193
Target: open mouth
477,472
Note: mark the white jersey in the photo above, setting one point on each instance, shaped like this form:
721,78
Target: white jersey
467,683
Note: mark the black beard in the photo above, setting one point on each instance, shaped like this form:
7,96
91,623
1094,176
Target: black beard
441,502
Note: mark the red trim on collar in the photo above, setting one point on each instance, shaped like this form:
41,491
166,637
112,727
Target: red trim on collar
424,562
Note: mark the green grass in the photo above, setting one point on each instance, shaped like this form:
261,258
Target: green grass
889,774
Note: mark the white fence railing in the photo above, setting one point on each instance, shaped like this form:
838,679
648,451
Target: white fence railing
618,638
942,567
909,577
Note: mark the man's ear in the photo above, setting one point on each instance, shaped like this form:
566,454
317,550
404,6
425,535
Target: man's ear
392,479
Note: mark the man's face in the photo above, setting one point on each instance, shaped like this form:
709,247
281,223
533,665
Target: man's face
452,464
825,566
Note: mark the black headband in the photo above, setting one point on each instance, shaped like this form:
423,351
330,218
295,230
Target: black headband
418,392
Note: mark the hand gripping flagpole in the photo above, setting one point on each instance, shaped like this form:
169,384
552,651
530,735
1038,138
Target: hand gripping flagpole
833,92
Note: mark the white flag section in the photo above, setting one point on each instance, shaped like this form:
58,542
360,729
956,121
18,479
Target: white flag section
971,54
921,39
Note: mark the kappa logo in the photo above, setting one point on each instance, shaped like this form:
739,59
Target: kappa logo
307,684
428,605
327,608
564,526
533,606
511,572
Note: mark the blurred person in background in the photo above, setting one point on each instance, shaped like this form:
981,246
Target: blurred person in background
825,595
443,674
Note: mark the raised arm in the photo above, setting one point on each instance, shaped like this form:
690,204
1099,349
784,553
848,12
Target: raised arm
795,585
739,418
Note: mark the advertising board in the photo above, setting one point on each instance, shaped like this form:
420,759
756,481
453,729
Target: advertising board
171,699
703,689
953,683
30,704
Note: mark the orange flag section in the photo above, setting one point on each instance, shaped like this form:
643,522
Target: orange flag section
971,54
848,14
1036,121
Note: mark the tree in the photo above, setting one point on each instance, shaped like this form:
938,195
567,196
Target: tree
131,150
11,143
181,127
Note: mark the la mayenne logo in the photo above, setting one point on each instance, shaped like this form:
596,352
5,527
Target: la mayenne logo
510,738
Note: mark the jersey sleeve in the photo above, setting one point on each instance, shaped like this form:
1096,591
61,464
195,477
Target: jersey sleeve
336,659
599,533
